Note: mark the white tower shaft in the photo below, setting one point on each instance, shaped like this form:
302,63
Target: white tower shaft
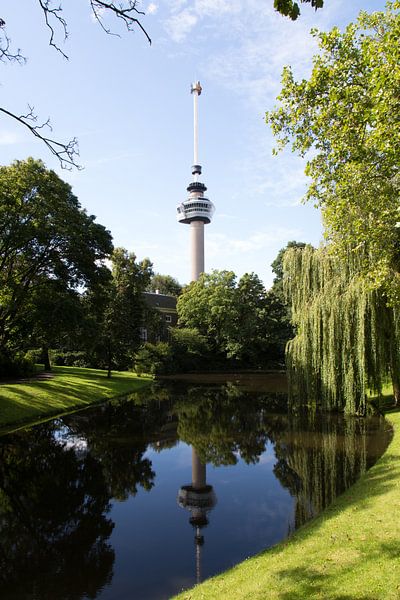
197,248
199,477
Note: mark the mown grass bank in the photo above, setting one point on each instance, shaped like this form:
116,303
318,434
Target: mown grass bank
70,389
351,551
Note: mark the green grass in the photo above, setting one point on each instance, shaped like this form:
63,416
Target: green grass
351,551
71,388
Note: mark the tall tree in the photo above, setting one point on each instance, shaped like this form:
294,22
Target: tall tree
346,297
124,309
346,117
45,236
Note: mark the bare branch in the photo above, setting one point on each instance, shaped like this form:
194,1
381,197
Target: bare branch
125,10
5,42
54,18
66,153
122,11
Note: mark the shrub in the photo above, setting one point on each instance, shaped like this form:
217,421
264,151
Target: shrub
18,365
69,359
154,358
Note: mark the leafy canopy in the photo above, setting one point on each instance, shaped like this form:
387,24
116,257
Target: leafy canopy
46,240
345,119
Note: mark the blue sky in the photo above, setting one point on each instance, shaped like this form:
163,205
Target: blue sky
130,107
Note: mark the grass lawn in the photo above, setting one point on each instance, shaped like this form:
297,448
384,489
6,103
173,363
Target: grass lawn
351,551
70,389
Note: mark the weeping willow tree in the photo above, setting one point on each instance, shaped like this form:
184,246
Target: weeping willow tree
347,334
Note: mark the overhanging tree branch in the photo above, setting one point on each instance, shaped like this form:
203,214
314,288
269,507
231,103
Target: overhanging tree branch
126,10
53,17
66,153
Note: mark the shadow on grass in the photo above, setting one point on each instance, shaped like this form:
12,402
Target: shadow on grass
310,582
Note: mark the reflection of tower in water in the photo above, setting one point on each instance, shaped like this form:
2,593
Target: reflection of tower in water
199,499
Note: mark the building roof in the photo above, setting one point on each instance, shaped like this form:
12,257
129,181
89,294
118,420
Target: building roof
160,301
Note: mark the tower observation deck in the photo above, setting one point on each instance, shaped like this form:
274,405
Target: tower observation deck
196,210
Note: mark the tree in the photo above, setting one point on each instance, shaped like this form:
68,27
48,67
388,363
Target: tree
55,528
165,284
124,310
348,336
345,297
46,239
209,305
237,318
53,316
291,9
346,116
125,10
277,268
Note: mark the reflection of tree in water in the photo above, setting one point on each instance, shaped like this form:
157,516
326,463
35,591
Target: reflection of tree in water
118,434
55,492
319,456
225,421
53,524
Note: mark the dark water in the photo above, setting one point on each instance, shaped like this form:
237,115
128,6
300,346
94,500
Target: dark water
89,503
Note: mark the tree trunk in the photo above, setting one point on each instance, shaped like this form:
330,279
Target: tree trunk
109,361
396,387
395,376
46,358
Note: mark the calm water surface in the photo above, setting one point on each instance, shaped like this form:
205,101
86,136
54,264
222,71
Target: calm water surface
101,504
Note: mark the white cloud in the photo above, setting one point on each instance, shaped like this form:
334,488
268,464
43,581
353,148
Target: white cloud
180,25
176,5
216,7
8,138
220,245
184,18
152,8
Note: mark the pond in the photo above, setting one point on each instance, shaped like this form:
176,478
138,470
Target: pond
142,497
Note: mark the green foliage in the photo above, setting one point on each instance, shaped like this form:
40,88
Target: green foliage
122,310
69,359
346,117
239,319
49,248
346,297
155,359
187,351
165,284
18,365
291,9
348,336
209,305
277,268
